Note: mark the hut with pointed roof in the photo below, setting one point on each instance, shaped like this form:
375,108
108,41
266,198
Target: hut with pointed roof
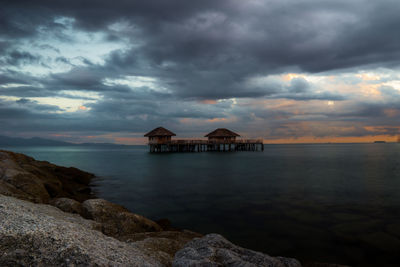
159,135
220,139
222,135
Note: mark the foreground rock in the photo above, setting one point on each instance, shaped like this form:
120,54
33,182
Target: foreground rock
162,245
40,232
33,234
80,231
215,250
116,220
68,205
40,181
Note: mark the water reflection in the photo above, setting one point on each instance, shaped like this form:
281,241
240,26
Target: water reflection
336,203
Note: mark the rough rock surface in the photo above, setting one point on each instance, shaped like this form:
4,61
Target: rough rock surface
39,181
67,205
37,234
116,220
162,245
215,250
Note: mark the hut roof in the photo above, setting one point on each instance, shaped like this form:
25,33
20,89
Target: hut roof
160,131
221,132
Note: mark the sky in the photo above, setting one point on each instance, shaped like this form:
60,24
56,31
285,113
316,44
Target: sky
287,71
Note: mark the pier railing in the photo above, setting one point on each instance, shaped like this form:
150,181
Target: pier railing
207,142
191,145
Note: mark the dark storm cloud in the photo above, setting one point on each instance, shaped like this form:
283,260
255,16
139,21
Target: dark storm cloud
197,50
30,115
304,34
78,77
312,35
301,89
297,89
24,110
4,79
27,91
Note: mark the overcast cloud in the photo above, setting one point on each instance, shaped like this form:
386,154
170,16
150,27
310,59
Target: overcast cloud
112,70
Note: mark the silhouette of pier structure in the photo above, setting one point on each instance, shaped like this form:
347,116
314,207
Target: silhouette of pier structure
221,139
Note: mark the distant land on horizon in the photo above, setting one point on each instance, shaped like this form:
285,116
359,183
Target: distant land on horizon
6,141
37,141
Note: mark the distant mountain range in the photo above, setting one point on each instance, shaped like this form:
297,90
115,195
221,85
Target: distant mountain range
37,141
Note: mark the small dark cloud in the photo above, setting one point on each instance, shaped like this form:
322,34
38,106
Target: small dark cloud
299,85
312,96
27,91
4,79
63,60
16,58
22,101
34,106
82,78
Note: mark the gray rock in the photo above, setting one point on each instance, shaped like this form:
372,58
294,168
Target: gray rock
67,205
42,235
215,250
162,245
116,220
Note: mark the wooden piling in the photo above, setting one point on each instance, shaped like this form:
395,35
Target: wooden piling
206,146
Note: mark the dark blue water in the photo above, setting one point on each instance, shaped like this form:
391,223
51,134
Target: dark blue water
332,202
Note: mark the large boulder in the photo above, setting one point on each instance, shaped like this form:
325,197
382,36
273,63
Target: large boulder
10,190
42,235
116,220
162,245
18,182
68,205
214,250
40,181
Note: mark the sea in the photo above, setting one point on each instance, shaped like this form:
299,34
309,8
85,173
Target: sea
337,203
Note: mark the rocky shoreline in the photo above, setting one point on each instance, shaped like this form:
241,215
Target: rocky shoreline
49,217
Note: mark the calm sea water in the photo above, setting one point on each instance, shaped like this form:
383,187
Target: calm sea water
331,202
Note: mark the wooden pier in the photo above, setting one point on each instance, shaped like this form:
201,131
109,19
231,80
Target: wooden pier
221,139
206,146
